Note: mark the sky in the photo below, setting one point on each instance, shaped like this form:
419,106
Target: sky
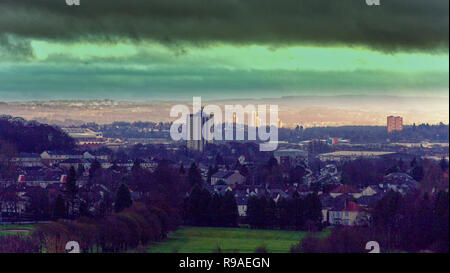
222,49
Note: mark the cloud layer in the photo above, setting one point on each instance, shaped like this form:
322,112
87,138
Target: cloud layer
396,25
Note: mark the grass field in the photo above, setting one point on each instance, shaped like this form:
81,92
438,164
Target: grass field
206,240
15,229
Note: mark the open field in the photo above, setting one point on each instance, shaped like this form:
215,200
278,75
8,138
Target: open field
15,229
206,240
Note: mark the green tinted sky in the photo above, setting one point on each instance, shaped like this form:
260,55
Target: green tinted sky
228,49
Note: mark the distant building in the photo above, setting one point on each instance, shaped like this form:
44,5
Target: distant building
199,143
394,124
82,133
52,157
86,137
352,155
28,160
74,162
288,156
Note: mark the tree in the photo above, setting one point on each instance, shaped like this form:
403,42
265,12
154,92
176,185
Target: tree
443,164
7,166
272,163
413,162
138,180
229,210
440,222
213,209
255,211
417,173
94,170
299,211
194,177
313,209
209,175
270,214
197,207
219,160
39,204
246,173
285,212
296,175
123,198
181,171
80,170
59,208
71,190
33,137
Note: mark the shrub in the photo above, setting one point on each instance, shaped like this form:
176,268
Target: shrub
19,244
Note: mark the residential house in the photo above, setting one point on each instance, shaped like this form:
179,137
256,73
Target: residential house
53,157
344,189
229,177
351,214
371,190
28,160
75,162
400,182
242,206
95,155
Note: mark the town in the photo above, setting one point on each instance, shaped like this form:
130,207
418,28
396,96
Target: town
314,179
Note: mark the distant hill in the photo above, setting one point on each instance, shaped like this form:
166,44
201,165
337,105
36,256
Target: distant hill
33,137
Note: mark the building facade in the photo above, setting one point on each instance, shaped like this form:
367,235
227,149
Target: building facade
394,124
195,141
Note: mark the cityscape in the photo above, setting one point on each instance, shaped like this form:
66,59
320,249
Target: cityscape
326,168
141,127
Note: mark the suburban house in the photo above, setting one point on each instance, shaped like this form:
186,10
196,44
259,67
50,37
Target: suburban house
330,203
42,181
351,214
74,162
12,200
95,155
399,182
344,189
242,206
28,160
51,157
371,190
229,177
370,201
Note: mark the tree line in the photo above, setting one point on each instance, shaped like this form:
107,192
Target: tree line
33,137
205,209
413,223
293,213
118,225
130,229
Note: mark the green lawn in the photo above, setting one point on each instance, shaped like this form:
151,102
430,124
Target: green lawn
206,240
15,229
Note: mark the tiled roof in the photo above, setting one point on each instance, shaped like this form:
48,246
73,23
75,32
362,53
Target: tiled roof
352,206
344,189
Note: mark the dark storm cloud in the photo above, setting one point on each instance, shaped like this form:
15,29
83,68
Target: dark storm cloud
15,49
396,25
